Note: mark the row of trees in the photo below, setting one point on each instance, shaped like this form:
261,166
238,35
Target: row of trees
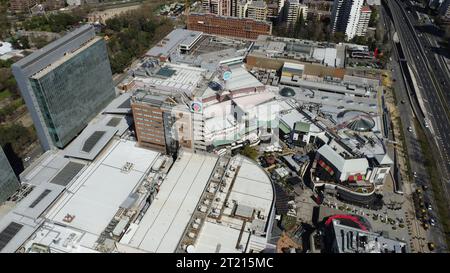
310,29
8,90
250,152
373,17
7,81
56,22
10,110
17,136
4,23
132,33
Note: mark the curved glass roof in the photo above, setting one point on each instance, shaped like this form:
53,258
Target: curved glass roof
215,86
361,124
287,92
356,120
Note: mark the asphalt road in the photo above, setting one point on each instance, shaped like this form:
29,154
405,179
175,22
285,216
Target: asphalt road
432,92
407,115
416,158
432,81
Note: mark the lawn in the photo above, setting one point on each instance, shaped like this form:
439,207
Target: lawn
5,94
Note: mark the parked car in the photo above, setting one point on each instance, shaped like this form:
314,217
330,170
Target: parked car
432,221
431,246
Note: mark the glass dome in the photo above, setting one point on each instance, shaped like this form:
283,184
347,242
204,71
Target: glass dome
356,120
215,86
287,92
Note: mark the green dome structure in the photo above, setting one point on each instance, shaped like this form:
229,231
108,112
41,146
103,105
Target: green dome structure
287,92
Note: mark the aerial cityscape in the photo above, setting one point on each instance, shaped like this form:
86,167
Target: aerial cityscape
224,126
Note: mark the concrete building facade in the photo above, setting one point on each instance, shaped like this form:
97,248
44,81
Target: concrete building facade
219,7
257,10
149,124
363,22
241,10
161,123
22,5
292,10
345,17
228,26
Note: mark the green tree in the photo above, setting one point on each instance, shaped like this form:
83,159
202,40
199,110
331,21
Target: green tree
316,30
132,33
250,152
114,24
18,136
373,17
360,40
299,25
4,22
21,42
40,41
57,22
338,37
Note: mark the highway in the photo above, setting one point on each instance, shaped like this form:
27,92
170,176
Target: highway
430,89
408,54
431,81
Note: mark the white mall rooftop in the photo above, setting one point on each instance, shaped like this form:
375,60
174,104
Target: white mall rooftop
163,224
252,190
94,198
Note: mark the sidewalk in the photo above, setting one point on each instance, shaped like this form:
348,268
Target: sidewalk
415,230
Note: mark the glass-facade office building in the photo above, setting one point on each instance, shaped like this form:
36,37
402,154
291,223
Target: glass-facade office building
72,93
65,85
8,180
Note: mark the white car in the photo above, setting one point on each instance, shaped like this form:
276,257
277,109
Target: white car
221,152
409,129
